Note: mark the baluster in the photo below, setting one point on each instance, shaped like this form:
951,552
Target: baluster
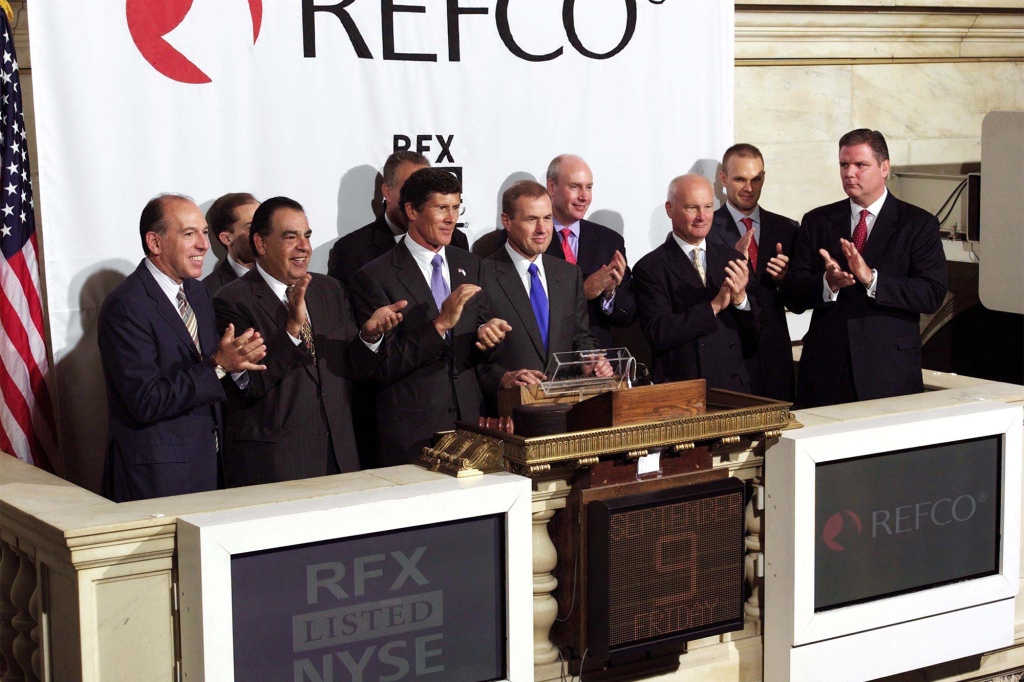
8,570
545,607
21,595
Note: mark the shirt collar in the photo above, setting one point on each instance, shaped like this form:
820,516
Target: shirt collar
873,209
239,269
395,229
422,255
574,228
687,247
167,285
755,215
522,263
279,288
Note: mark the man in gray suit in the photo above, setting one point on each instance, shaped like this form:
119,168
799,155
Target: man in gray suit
294,419
540,296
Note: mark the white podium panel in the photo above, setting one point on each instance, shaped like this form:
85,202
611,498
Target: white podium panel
897,536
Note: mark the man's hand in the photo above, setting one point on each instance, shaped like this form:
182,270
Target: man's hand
297,315
451,309
860,269
743,245
521,377
383,320
721,300
778,266
600,367
736,278
606,278
834,275
491,333
240,353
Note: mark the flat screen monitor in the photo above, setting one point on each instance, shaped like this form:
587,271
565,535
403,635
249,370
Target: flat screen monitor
900,521
424,582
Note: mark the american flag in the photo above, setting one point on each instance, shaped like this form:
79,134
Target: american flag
26,414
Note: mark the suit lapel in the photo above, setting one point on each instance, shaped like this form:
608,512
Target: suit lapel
561,297
383,240
680,264
513,287
881,231
166,309
410,277
587,248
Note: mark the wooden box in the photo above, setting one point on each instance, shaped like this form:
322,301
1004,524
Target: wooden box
639,405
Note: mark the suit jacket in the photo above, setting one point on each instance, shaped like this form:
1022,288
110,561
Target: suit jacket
687,339
369,242
771,366
597,245
427,382
163,394
509,300
880,338
294,419
220,276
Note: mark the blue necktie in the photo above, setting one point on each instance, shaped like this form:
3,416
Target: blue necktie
438,287
539,301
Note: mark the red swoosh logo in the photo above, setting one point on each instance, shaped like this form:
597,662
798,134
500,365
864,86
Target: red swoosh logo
150,20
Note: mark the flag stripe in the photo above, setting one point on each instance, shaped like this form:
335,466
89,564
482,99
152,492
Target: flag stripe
15,404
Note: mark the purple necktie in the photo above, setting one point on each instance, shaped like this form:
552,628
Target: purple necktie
438,287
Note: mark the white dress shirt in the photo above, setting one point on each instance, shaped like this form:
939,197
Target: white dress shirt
522,265
855,210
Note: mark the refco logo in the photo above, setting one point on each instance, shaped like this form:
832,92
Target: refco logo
842,526
150,20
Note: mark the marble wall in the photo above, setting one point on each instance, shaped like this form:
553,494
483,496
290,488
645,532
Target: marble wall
924,77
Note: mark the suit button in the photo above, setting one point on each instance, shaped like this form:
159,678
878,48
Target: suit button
701,346
451,410
323,432
455,376
732,345
323,394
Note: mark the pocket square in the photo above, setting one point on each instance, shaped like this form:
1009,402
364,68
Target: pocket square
462,272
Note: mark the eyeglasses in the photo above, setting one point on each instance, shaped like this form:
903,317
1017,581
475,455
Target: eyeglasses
445,211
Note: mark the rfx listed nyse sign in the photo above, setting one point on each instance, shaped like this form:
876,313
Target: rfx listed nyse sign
454,13
381,630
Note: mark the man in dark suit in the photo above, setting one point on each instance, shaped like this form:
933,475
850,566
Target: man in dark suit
868,266
598,251
163,362
230,217
294,420
770,246
693,306
539,295
428,381
358,248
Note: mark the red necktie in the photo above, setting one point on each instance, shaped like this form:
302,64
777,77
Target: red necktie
860,233
752,251
566,247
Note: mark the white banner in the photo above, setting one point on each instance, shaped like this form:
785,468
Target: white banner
306,98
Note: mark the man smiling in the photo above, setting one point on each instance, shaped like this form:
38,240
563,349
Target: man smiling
868,266
429,379
294,420
163,362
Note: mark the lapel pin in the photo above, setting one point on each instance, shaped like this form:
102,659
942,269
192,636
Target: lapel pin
462,272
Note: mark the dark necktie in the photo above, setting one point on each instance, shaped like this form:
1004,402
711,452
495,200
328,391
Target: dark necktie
438,287
188,316
539,301
752,251
567,247
860,233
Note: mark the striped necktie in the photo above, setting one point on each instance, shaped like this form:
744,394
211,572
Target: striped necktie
188,316
698,265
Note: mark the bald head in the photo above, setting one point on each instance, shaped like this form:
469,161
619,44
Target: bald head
570,184
690,207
